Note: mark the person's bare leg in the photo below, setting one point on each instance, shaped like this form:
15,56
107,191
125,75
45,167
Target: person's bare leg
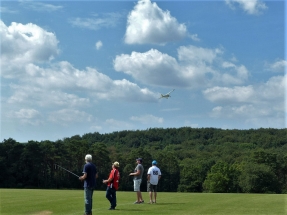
150,197
140,196
155,194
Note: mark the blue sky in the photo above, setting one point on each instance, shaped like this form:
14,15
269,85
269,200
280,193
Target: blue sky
75,67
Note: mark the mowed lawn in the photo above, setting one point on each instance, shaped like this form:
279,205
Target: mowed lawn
71,202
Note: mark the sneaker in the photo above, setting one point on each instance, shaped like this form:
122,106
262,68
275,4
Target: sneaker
150,202
136,202
111,208
141,201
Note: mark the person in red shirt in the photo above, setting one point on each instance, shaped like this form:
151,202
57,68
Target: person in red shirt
113,185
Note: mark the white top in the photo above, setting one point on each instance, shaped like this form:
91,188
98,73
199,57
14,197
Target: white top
154,172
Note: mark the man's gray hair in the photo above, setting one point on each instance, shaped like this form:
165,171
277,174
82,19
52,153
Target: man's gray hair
88,157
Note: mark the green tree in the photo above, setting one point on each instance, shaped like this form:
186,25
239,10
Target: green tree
193,174
169,166
258,178
11,173
222,178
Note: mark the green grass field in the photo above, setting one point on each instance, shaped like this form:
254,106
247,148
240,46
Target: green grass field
71,202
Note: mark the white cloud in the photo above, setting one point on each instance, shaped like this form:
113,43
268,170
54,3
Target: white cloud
97,22
147,119
277,66
149,24
61,84
194,37
66,116
7,10
197,67
40,6
26,113
261,104
23,44
273,89
225,94
249,6
99,45
152,67
26,116
116,125
229,78
56,90
198,55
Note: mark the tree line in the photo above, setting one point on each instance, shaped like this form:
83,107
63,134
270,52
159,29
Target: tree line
190,159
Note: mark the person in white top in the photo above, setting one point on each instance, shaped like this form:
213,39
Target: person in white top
153,176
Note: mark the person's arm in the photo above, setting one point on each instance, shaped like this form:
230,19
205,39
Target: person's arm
110,179
159,177
148,177
138,172
83,177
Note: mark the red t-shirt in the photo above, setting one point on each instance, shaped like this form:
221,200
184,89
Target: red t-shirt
115,175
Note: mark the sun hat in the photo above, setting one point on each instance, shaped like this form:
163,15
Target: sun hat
154,162
116,164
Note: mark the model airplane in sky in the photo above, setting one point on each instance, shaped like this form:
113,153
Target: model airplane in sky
166,95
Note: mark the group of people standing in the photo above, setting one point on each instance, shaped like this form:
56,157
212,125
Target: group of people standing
153,176
90,175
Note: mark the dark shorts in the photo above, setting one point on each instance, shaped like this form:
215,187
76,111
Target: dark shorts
151,187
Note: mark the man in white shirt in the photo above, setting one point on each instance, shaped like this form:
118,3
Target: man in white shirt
153,176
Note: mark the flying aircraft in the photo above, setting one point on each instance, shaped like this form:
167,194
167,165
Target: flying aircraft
166,95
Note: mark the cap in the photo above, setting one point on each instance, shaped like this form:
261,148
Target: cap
154,162
116,164
88,157
139,159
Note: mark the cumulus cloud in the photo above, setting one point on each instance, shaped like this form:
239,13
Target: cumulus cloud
53,91
251,102
26,113
196,67
149,24
23,44
62,84
249,6
277,66
194,37
147,119
273,89
237,74
229,95
26,116
99,45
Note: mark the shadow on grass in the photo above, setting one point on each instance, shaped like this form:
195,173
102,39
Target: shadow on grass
128,209
169,203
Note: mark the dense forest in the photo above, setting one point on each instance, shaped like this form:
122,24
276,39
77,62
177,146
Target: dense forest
190,159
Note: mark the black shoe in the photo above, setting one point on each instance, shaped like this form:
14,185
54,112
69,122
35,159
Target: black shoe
111,208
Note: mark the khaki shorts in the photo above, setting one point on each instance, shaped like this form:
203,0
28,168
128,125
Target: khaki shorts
151,187
137,184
